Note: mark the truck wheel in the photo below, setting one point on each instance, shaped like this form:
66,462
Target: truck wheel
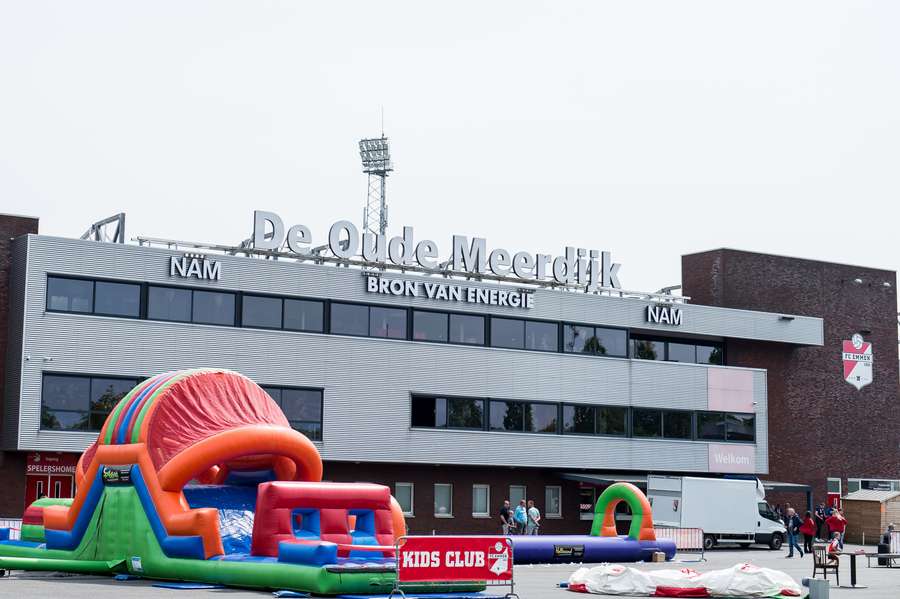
709,542
776,542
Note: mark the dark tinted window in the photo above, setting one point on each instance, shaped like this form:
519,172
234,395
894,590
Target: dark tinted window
710,426
117,299
70,295
579,339
611,342
611,421
303,315
646,423
542,336
429,326
387,322
467,329
349,319
682,352
165,303
259,311
465,413
645,349
213,307
677,425
708,354
541,418
423,412
80,402
578,419
274,393
741,427
506,332
301,407
507,415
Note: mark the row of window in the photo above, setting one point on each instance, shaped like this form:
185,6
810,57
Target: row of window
225,308
82,403
404,493
469,413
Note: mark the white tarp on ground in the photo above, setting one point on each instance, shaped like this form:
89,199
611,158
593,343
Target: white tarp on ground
741,580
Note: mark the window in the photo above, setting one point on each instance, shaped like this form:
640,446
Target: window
542,336
467,329
647,349
80,403
481,501
301,407
578,419
516,494
553,501
833,485
677,425
167,303
708,354
541,417
612,421
453,412
349,319
70,295
646,423
443,500
403,493
387,322
213,307
117,299
595,340
507,332
682,352
740,427
429,326
586,497
507,416
304,315
259,311
710,426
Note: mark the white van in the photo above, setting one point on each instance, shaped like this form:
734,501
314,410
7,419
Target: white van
728,510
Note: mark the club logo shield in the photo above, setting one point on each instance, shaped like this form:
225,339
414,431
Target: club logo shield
857,358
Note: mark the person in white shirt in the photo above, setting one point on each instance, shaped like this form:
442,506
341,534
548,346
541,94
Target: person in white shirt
534,519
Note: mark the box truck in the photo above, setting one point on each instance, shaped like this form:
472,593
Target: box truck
728,510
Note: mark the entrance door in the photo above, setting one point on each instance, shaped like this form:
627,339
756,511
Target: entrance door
60,486
36,486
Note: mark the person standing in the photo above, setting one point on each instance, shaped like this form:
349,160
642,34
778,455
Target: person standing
520,516
534,519
792,523
837,524
821,530
506,521
808,529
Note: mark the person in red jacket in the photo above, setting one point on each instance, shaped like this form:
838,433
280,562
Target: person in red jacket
836,523
808,528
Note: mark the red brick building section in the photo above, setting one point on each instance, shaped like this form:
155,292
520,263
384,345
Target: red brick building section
819,425
12,464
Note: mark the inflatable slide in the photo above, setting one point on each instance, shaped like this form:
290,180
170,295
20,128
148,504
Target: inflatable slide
260,516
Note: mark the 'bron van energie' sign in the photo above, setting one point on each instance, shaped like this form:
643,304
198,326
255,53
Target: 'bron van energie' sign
592,269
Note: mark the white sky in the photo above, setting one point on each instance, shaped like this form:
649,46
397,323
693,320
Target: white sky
650,129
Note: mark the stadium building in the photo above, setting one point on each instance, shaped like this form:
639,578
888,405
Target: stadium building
494,375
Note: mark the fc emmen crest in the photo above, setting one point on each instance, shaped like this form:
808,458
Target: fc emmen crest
857,359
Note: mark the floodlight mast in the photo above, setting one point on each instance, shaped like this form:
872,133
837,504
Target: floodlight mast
376,163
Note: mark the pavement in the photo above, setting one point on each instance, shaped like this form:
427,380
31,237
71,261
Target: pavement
532,582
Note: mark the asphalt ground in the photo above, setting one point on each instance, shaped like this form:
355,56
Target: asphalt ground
532,582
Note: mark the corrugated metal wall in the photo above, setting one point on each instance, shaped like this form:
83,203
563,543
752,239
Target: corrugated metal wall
368,382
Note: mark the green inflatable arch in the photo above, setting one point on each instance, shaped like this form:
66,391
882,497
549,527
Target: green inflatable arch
604,524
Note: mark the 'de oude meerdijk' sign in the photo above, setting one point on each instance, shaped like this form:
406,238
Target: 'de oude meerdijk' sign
592,269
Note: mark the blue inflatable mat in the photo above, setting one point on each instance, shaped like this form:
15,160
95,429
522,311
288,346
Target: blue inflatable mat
187,586
236,506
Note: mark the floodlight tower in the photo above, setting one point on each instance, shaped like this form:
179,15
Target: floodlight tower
376,162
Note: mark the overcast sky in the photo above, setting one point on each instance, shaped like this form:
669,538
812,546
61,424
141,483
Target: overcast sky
651,129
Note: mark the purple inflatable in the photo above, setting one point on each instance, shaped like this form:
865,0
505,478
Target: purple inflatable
585,548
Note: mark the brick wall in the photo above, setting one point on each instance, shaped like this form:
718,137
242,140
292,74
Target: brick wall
819,425
12,465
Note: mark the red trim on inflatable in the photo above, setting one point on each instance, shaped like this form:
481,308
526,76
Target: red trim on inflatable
578,588
679,592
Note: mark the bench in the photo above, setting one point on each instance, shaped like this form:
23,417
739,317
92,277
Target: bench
890,557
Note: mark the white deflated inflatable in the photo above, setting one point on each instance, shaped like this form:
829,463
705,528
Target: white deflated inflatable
741,580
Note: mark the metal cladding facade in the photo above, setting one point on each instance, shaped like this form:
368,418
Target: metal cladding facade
367,382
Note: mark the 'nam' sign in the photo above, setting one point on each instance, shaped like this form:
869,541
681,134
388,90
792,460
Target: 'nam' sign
661,314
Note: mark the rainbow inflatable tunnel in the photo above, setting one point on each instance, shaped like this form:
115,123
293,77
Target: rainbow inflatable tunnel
260,516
